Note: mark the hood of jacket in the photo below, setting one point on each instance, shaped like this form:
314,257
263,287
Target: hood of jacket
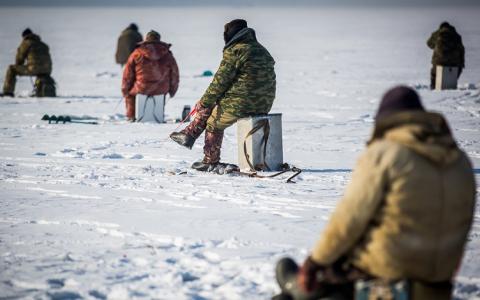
153,50
129,29
246,34
448,38
33,37
426,133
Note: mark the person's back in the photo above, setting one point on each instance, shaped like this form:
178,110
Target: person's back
154,65
128,40
151,69
35,53
253,91
32,59
405,214
421,227
447,47
448,50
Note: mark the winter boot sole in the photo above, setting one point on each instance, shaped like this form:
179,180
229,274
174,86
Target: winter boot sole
182,139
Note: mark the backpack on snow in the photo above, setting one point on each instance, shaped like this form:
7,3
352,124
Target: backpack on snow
44,86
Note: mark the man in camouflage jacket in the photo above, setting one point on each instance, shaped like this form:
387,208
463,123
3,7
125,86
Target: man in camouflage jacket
447,48
38,62
244,85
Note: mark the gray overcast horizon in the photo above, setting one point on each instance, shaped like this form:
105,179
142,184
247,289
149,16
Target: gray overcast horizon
357,3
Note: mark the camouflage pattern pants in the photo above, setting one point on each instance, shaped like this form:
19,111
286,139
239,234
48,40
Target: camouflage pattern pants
213,122
21,70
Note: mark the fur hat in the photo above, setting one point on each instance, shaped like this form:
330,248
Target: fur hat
152,36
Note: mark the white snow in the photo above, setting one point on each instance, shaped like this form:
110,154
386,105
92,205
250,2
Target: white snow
102,211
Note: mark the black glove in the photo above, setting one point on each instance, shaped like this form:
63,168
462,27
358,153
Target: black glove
307,275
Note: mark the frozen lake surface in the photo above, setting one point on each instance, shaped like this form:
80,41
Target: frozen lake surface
97,212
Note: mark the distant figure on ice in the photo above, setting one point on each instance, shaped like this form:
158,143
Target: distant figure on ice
404,217
32,59
448,50
128,40
243,85
151,70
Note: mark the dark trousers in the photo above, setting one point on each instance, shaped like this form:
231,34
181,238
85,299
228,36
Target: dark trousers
21,70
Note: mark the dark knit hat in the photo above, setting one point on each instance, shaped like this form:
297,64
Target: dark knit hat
397,99
133,26
445,25
152,36
26,32
232,27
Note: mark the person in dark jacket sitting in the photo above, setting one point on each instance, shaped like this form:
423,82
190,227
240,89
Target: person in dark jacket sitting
448,50
32,59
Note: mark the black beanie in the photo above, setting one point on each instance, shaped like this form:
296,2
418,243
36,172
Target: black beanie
26,32
133,26
445,25
397,99
232,27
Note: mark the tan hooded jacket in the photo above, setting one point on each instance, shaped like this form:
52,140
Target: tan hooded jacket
409,206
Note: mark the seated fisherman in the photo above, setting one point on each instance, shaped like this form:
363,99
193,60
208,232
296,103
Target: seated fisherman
32,59
448,50
405,214
244,85
151,70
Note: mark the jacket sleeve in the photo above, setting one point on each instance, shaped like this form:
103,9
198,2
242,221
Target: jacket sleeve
22,53
118,55
355,211
128,76
174,76
431,41
222,80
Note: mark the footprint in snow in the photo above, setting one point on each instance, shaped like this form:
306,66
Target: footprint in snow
112,156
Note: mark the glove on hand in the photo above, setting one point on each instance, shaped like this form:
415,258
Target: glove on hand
307,275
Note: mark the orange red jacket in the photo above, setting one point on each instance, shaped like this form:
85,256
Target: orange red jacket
151,69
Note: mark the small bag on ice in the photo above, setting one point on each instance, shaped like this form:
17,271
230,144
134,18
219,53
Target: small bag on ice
149,108
45,86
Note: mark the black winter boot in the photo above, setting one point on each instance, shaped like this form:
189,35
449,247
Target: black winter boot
282,296
286,273
202,166
183,139
7,94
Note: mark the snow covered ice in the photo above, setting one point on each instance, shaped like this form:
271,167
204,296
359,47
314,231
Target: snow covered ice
102,212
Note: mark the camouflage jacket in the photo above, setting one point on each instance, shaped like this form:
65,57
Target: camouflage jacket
127,42
244,84
447,47
36,53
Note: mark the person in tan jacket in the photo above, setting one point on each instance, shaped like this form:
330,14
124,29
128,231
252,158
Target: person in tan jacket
405,214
